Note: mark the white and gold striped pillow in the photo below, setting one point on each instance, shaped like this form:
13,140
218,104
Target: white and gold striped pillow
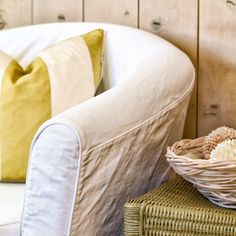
62,76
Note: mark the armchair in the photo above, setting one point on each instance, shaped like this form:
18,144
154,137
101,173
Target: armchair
88,161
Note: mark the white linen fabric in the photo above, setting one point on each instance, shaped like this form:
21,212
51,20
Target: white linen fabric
88,161
55,161
11,205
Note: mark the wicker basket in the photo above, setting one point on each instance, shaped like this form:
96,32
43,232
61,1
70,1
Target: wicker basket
215,180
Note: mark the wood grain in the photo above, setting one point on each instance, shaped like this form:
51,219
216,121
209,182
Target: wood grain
176,21
15,13
217,65
112,11
59,10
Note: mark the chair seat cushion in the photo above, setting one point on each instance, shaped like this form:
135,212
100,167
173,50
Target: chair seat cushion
11,204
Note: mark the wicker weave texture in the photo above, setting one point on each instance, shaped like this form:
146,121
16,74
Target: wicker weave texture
216,180
177,209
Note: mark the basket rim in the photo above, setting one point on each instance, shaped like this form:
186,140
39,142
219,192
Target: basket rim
171,155
215,179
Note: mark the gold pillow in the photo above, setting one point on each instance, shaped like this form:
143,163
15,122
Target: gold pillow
62,76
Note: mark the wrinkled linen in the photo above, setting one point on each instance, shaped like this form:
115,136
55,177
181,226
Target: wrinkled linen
88,161
123,134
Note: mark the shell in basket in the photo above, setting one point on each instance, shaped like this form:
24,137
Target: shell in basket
215,137
225,151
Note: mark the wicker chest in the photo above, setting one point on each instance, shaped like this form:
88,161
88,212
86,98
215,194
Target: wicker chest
177,209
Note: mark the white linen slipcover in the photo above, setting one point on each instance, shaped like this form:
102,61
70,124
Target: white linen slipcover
11,199
88,161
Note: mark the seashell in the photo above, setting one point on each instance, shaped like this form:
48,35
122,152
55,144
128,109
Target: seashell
215,137
225,151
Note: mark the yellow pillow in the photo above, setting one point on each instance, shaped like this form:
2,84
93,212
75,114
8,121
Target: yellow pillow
62,76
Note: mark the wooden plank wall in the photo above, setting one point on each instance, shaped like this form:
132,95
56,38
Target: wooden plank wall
63,10
123,12
15,13
205,31
177,22
217,65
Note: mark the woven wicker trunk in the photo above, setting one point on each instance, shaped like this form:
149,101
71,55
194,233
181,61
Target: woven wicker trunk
177,209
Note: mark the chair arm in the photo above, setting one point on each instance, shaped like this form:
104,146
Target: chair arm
88,161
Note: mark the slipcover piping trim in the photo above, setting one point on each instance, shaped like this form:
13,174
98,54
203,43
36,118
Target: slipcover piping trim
117,138
162,111
77,174
169,107
77,130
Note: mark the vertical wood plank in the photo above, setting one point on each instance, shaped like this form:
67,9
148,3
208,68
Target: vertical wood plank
59,10
217,65
15,12
176,21
112,11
